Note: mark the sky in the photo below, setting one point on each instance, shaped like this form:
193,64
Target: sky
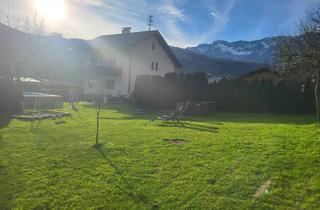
183,23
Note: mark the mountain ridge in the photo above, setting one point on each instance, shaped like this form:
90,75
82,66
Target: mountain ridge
219,67
258,51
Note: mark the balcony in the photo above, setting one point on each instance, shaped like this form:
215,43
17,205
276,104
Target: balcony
102,70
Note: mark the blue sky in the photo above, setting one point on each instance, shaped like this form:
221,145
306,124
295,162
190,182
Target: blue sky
182,22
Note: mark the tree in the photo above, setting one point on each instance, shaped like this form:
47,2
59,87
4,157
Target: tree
99,101
19,53
19,50
301,56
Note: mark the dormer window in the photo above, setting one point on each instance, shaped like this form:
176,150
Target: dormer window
153,46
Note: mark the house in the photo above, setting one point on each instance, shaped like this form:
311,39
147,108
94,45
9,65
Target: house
262,74
112,63
106,65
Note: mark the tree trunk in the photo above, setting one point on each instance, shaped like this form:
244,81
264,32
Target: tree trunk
97,132
317,95
98,125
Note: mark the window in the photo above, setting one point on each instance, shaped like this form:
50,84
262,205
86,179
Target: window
153,46
91,83
110,84
157,66
152,65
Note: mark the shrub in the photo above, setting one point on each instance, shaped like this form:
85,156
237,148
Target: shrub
10,95
157,92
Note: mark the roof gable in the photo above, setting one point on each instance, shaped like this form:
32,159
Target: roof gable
260,71
123,41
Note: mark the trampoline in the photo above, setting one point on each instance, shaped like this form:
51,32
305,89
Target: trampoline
41,101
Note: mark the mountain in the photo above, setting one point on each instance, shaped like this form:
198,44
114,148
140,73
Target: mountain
39,57
259,51
218,67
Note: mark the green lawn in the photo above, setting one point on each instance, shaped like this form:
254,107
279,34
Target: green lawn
227,158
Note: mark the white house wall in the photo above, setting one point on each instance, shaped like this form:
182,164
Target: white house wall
122,60
99,84
142,56
121,81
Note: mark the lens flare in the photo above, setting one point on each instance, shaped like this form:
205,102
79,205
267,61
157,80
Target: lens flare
51,10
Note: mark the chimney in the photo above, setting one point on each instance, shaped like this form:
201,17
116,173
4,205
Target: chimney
126,30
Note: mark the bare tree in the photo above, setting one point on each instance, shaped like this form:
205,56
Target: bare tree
19,50
301,56
19,54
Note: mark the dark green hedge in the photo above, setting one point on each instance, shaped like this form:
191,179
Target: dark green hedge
263,96
10,95
157,92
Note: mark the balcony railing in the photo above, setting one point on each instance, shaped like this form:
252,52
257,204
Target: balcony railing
103,70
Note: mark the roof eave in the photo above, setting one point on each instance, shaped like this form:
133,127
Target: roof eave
168,49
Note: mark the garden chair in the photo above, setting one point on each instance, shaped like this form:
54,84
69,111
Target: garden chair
176,115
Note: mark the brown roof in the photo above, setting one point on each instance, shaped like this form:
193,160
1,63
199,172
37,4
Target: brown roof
133,38
263,70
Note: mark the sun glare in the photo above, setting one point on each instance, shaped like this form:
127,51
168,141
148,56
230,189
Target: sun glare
51,10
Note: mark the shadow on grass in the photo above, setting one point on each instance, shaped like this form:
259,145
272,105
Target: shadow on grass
128,188
122,108
186,125
125,109
5,121
6,183
78,118
266,118
118,118
258,118
35,126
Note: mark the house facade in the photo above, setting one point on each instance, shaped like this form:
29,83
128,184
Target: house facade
262,74
114,62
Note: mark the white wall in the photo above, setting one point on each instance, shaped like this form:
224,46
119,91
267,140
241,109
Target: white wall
99,86
121,61
142,56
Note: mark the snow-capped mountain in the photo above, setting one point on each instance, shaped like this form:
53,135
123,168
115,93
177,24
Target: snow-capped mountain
195,62
259,51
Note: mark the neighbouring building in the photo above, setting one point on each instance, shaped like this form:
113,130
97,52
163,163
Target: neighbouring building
113,62
262,74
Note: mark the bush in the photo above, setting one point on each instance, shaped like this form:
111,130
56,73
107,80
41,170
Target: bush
155,92
263,96
10,95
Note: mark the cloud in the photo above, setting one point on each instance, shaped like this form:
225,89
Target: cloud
170,22
220,21
174,35
172,11
175,19
92,3
217,15
214,14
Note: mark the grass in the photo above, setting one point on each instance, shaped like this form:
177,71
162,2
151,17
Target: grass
227,159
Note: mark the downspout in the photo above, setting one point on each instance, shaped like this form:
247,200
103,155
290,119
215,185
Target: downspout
129,82
317,89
